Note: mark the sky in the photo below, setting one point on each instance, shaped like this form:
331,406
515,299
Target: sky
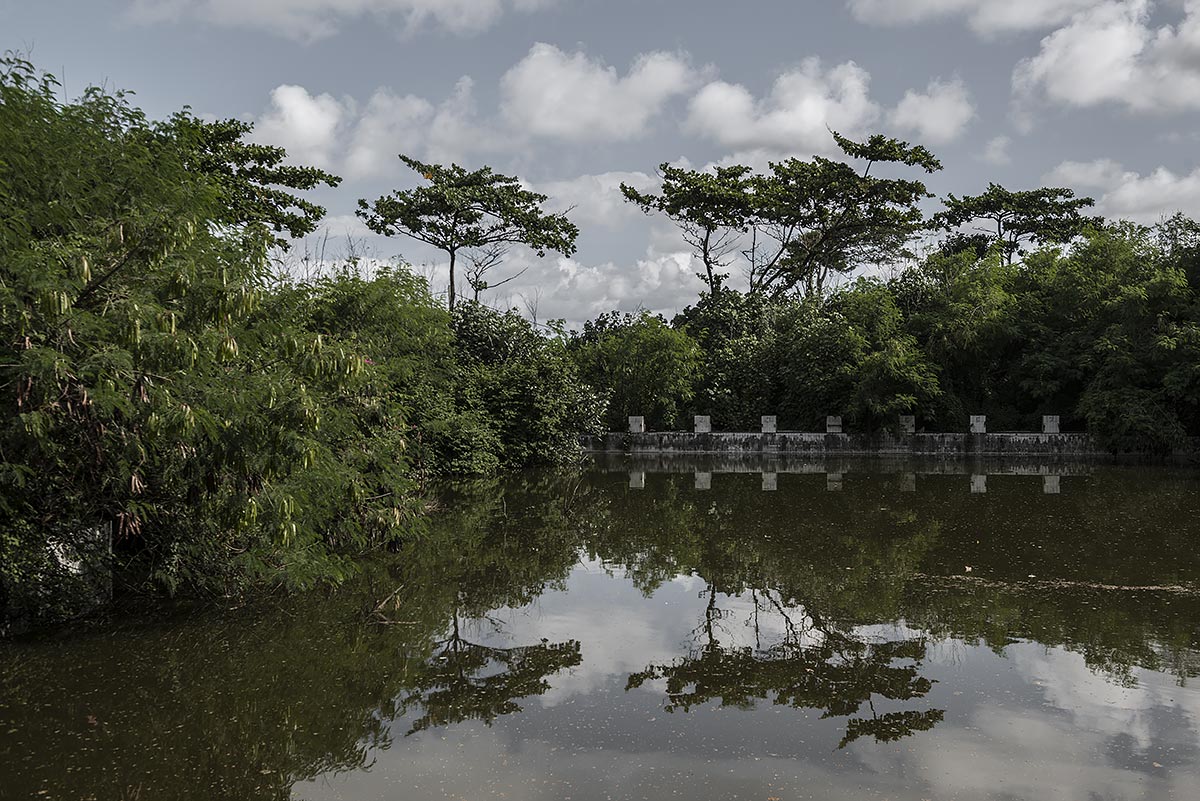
577,96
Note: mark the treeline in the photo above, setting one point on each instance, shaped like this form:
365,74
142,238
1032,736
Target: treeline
1104,332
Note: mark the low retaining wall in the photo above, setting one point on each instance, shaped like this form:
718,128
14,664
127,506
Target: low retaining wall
935,445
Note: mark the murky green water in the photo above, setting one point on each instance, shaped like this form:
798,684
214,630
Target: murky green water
862,632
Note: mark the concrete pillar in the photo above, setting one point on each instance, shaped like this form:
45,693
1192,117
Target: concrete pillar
833,425
637,425
978,424
703,424
833,482
1050,424
908,424
637,479
770,482
1051,485
979,484
769,424
908,482
703,481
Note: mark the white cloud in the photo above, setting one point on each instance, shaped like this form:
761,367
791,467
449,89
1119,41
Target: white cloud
996,151
309,20
796,116
307,126
553,94
1109,53
985,17
938,115
597,199
1130,195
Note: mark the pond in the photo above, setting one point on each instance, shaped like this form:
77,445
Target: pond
662,629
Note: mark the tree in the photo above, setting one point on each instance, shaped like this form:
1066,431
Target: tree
710,209
1049,216
461,211
829,217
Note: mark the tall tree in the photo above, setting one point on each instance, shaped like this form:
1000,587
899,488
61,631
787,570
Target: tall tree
711,209
1010,220
461,212
831,216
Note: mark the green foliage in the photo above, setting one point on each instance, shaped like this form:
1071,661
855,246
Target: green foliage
1049,216
646,368
471,212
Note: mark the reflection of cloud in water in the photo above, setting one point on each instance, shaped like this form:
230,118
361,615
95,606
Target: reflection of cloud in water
1100,704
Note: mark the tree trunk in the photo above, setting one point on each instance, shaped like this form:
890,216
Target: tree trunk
451,293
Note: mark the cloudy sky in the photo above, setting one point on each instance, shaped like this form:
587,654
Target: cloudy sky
576,96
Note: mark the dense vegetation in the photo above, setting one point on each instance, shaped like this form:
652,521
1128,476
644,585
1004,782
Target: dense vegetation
165,383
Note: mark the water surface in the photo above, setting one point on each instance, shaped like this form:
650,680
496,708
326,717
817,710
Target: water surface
672,629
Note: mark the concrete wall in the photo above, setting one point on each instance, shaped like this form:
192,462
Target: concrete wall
934,445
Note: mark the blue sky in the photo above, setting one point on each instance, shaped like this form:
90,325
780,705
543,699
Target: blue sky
576,96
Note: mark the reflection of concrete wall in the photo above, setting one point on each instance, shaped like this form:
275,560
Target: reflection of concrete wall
847,444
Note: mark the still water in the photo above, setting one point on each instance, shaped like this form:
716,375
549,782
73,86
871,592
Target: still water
672,630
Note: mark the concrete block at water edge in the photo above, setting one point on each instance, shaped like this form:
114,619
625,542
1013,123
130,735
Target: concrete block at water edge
833,482
703,424
703,481
770,424
979,485
637,479
908,482
833,425
770,482
637,425
978,424
1050,424
908,424
1051,485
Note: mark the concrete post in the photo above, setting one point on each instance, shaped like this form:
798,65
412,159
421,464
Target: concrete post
769,424
979,484
637,479
770,482
908,424
1051,485
703,424
1050,424
637,425
833,482
978,424
703,481
833,425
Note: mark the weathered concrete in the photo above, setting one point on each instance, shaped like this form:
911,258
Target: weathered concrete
785,443
770,424
979,484
1052,485
703,424
637,479
770,482
833,482
908,424
978,424
833,425
637,425
1050,424
703,481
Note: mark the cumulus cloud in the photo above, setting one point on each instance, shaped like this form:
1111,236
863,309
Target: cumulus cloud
1125,194
1110,53
938,115
572,97
597,199
309,20
795,116
307,126
985,17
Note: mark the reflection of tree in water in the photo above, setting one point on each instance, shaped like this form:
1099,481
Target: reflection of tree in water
815,666
469,681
